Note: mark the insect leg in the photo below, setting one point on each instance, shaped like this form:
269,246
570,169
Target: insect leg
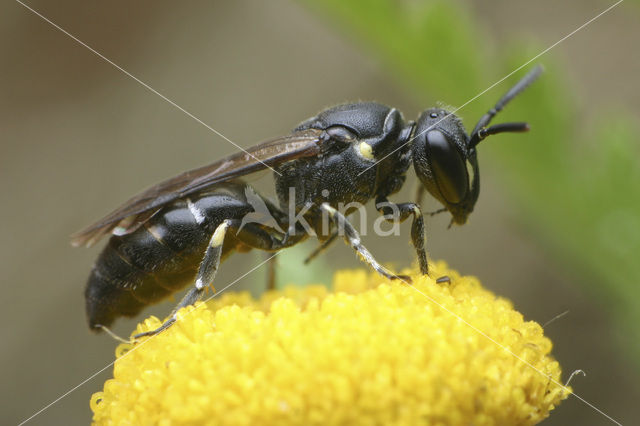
272,265
352,238
256,236
419,193
322,247
281,219
417,198
388,210
205,276
443,279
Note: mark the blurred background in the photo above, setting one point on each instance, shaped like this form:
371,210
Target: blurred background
556,228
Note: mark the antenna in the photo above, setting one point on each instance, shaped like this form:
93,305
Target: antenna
480,132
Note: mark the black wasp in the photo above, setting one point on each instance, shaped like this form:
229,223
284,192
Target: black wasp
176,233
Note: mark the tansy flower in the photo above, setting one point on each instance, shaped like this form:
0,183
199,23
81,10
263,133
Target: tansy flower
371,351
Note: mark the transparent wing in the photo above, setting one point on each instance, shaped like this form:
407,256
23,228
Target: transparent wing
140,208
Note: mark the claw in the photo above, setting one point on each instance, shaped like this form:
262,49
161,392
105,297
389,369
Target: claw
406,278
443,279
164,326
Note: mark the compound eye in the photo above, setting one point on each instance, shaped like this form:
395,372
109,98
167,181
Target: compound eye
341,134
448,167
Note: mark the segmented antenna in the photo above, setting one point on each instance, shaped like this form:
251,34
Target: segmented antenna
479,131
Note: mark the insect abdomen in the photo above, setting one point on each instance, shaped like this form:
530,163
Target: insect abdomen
141,268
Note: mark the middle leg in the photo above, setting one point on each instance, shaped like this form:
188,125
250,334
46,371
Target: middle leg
404,210
322,247
250,234
352,238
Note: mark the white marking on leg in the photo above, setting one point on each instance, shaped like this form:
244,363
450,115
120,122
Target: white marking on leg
199,284
329,209
218,235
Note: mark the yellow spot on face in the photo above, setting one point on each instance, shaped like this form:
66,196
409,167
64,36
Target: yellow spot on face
218,236
470,172
366,150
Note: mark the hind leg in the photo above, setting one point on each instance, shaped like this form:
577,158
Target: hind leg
206,274
250,234
272,265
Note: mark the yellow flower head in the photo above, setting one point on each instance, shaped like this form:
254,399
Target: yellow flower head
370,352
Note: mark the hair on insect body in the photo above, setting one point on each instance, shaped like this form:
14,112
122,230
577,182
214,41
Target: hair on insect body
178,232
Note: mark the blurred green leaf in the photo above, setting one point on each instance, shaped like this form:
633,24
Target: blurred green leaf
583,202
